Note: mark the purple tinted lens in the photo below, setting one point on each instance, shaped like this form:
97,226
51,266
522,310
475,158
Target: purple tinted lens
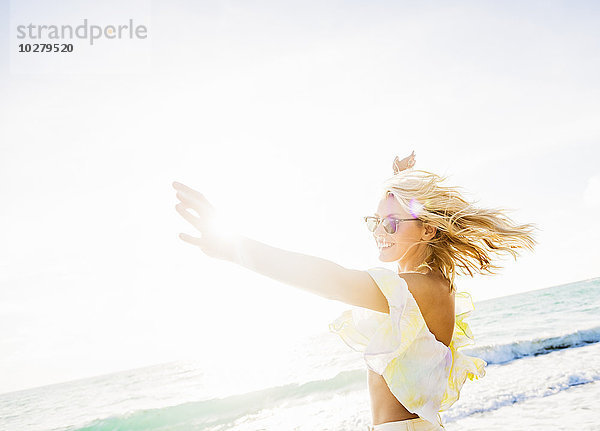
389,224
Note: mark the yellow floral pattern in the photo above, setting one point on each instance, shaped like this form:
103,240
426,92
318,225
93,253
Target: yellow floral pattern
424,374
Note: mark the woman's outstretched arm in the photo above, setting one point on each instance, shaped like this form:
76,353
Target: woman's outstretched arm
316,275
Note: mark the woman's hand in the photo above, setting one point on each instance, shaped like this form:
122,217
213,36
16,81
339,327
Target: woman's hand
404,164
313,274
214,242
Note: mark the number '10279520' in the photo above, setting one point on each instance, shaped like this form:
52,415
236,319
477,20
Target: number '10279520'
46,47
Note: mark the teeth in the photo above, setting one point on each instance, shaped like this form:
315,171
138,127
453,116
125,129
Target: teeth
383,244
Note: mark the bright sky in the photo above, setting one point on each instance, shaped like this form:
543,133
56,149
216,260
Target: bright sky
287,117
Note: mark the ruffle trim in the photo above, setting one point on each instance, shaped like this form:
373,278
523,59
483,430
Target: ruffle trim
424,374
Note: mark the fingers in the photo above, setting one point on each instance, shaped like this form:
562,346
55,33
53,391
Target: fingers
190,203
193,199
190,239
411,159
396,165
405,163
193,196
185,189
192,219
203,222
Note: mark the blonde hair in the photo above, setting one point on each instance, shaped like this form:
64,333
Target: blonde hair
468,239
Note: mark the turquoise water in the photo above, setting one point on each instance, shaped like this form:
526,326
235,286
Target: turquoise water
541,346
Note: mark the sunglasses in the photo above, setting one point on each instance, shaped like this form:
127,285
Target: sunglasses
390,224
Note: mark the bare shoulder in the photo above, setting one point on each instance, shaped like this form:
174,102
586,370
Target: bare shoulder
361,290
436,302
431,293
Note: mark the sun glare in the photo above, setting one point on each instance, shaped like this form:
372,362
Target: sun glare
416,208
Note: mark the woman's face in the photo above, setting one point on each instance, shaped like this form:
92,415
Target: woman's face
393,247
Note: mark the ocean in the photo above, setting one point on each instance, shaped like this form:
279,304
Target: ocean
543,372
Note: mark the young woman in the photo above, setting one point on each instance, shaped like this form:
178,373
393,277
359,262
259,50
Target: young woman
408,323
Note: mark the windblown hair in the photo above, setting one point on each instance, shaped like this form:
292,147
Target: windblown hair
468,239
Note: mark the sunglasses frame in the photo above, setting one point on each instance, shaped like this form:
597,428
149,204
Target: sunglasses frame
379,220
